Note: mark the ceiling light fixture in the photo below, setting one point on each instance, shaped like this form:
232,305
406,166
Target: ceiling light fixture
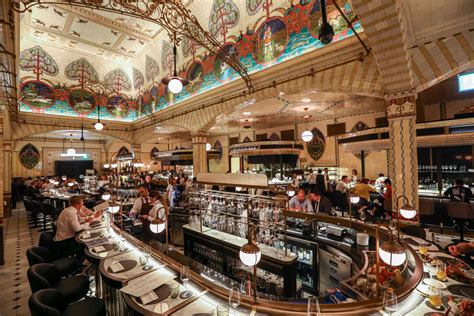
208,147
326,32
307,135
306,100
175,84
246,113
98,125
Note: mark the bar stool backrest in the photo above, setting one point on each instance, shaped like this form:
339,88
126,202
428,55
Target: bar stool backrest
427,206
42,276
38,255
460,210
47,302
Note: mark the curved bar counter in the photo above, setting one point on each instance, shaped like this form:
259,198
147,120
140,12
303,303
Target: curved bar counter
121,247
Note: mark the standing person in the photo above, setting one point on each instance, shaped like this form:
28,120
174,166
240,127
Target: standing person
148,183
158,211
380,180
67,227
311,177
296,181
388,189
142,207
458,192
300,203
354,176
320,203
170,191
326,178
321,182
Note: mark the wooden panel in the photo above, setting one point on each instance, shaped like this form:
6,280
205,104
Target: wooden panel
288,134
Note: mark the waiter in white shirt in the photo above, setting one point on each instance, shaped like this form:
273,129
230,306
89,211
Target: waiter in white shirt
68,226
142,207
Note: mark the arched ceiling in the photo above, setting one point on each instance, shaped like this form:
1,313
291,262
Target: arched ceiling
130,56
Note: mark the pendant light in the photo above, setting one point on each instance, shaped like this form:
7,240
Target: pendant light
326,32
71,151
175,84
98,125
307,135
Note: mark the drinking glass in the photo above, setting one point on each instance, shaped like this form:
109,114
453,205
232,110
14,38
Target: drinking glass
390,303
435,297
116,245
174,289
122,240
184,276
441,273
313,307
222,310
234,298
423,248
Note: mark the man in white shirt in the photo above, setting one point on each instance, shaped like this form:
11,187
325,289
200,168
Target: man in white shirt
68,226
379,182
342,184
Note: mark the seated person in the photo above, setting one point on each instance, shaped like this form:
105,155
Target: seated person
300,203
463,248
362,190
373,210
458,192
320,203
68,226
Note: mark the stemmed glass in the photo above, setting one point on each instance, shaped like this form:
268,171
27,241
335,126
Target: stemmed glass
313,307
122,239
184,276
390,303
234,298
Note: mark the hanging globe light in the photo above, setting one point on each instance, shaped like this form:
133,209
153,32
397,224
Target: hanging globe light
157,226
208,147
307,136
175,85
408,211
114,208
99,126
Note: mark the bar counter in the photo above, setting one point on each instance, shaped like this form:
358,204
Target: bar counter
207,295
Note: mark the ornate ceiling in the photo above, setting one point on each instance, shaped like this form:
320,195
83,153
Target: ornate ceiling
75,61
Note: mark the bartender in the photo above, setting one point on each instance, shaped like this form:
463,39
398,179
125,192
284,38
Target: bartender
158,210
142,207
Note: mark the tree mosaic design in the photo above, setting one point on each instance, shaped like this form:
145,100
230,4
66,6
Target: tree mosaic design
138,79
167,61
82,71
37,60
224,16
118,80
253,6
189,47
152,69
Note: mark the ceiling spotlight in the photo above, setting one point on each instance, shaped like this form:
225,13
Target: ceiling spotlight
326,32
306,100
246,113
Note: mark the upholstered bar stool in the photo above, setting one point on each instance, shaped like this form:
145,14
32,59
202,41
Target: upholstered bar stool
426,211
66,266
50,302
46,275
461,211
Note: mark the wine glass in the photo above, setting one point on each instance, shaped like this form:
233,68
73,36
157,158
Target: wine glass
184,276
234,298
390,303
122,239
435,297
313,306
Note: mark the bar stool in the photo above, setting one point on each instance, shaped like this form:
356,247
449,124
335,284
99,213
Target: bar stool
427,210
66,266
461,211
46,275
50,302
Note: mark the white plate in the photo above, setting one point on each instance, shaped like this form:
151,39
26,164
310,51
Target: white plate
435,283
424,289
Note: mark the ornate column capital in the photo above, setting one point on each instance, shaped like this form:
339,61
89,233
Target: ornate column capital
401,104
199,137
7,145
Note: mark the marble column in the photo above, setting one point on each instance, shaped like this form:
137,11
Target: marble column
199,141
403,158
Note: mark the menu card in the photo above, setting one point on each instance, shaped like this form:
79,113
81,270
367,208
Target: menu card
147,283
99,249
148,297
101,206
116,267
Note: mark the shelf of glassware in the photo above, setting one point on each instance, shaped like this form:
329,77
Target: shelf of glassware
334,172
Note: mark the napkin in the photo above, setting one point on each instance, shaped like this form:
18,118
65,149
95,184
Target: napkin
86,235
99,249
148,297
116,267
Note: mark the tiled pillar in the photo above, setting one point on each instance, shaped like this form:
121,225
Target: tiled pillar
199,153
401,114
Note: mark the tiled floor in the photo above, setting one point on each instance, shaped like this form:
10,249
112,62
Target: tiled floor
14,287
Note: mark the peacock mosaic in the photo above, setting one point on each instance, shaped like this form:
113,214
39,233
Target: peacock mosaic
260,33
